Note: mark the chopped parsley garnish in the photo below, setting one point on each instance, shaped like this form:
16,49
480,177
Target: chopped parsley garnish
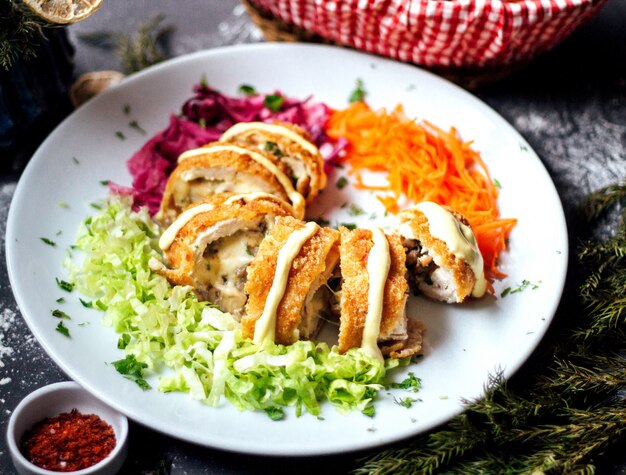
120,135
65,285
49,242
373,216
523,147
525,284
95,206
126,109
272,147
62,329
133,124
359,93
274,102
105,182
369,410
75,160
63,204
100,305
247,90
411,382
405,401
350,226
60,300
133,370
355,210
123,341
341,183
86,303
275,413
60,314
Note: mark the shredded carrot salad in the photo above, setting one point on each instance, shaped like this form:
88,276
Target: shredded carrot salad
423,163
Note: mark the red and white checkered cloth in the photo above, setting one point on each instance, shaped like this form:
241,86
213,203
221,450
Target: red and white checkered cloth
455,34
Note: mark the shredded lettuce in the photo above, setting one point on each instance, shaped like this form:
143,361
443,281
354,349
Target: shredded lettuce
193,347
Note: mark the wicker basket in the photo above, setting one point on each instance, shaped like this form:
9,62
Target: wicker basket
468,41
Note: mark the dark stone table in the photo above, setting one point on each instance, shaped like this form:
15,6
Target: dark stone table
569,104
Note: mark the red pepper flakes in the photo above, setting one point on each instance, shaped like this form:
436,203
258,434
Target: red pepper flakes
71,441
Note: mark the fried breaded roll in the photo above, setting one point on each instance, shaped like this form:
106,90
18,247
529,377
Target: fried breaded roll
374,292
287,282
443,259
290,145
218,168
211,243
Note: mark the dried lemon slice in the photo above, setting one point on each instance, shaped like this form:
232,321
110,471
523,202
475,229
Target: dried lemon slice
63,12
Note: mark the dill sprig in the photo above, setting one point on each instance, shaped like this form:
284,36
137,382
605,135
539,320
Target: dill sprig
21,31
147,46
567,406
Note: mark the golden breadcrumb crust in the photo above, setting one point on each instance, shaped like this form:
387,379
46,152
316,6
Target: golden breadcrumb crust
180,255
308,264
227,159
409,347
463,275
308,186
354,250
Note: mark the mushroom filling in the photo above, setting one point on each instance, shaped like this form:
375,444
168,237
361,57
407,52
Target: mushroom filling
419,263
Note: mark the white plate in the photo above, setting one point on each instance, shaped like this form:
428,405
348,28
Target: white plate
464,344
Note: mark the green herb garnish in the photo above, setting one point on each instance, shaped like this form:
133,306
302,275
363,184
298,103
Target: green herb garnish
411,382
120,135
63,284
369,410
355,210
123,341
49,242
133,124
350,226
62,329
405,401
497,183
133,370
274,102
105,182
247,90
272,147
86,303
60,300
359,93
126,109
322,221
341,183
60,314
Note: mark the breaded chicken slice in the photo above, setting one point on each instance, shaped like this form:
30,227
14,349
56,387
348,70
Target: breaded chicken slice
305,294
289,144
210,245
443,259
219,168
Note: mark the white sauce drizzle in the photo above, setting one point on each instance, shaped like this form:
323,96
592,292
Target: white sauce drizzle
271,128
296,198
168,236
459,238
378,265
265,326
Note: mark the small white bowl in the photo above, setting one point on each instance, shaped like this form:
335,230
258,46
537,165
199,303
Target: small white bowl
52,400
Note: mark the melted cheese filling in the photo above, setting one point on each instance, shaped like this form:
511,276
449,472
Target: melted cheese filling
378,265
265,326
459,238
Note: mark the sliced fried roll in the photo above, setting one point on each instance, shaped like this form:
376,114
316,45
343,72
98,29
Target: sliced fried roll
290,145
374,292
443,258
218,168
287,282
211,243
